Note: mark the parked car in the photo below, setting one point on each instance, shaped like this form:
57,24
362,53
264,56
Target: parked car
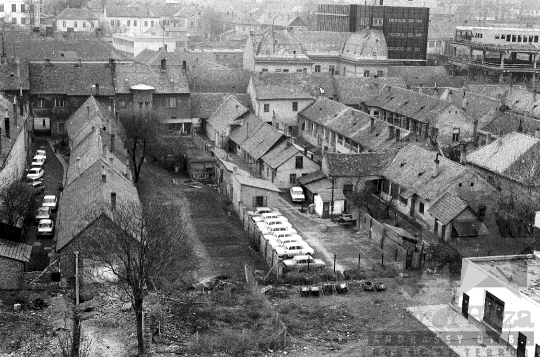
302,261
259,210
43,213
42,154
45,227
274,243
35,173
273,215
50,201
276,228
37,186
297,194
281,234
276,221
38,161
289,250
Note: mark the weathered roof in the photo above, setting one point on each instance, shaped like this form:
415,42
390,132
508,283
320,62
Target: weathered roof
475,105
314,176
447,208
256,182
87,198
91,110
513,155
357,165
16,251
29,47
176,58
256,137
281,20
523,101
168,10
69,78
326,194
266,92
326,42
128,11
409,103
173,80
355,90
316,84
229,112
413,168
281,43
203,105
509,122
219,81
470,228
9,78
427,76
318,185
366,44
76,14
280,154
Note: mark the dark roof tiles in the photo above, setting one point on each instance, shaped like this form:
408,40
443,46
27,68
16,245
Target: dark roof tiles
16,251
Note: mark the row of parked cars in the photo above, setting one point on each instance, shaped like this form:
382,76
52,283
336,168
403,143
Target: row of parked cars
34,177
284,240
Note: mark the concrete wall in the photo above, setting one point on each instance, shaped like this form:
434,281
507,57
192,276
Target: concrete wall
11,273
520,311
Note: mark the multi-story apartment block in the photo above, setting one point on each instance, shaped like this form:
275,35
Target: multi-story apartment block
20,13
136,20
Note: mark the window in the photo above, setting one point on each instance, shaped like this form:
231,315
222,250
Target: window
13,7
294,106
377,22
59,103
134,22
386,186
259,201
421,207
84,24
40,103
332,69
285,70
278,70
146,23
92,24
482,210
129,22
75,24
171,102
14,21
23,20
317,68
348,187
366,73
267,108
299,70
455,135
122,103
22,7
380,73
61,127
265,70
292,178
535,38
152,23
112,23
402,199
299,162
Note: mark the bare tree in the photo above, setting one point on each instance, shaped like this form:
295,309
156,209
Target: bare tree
16,201
141,245
142,131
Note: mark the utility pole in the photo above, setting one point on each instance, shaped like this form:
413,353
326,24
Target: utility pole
76,277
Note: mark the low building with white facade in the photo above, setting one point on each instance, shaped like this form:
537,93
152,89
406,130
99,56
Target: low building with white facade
76,20
131,44
503,294
121,19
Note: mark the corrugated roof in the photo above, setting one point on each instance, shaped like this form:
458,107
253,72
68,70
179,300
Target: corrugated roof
514,155
17,251
229,112
256,182
447,208
280,154
357,165
68,78
173,80
76,14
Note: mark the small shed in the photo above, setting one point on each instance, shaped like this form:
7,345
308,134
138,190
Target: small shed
14,258
199,164
253,192
323,203
313,183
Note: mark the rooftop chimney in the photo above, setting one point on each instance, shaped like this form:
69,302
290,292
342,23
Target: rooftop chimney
111,159
499,138
78,166
372,124
437,166
47,62
97,88
235,170
463,156
88,112
6,123
390,132
112,142
488,137
113,201
184,65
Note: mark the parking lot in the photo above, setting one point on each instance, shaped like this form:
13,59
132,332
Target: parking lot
53,174
328,238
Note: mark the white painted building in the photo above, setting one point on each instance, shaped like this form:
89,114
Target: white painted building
132,19
20,13
131,44
502,293
78,20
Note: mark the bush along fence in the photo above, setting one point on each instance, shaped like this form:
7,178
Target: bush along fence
394,242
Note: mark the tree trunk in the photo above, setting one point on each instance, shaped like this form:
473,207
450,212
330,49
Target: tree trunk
138,307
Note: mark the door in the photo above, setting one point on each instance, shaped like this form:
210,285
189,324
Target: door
465,306
436,227
522,345
413,204
326,210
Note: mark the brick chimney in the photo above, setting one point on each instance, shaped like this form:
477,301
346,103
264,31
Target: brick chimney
372,124
437,166
6,124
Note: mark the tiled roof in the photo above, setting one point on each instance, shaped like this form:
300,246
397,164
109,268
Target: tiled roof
427,76
314,176
203,105
311,83
357,165
318,185
66,78
509,155
280,154
322,41
88,197
366,44
413,168
475,105
165,10
9,80
245,20
326,194
175,58
353,124
355,90
409,103
523,101
447,208
98,114
281,43
256,182
173,80
28,47
218,81
128,11
265,92
509,122
495,91
229,112
470,228
256,137
16,251
282,20
76,14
